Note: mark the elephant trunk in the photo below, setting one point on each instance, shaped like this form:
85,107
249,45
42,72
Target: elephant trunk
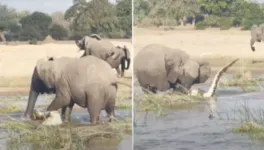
31,102
123,67
127,58
33,94
128,63
252,41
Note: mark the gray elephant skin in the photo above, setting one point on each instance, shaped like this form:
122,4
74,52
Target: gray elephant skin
257,35
159,68
105,50
88,82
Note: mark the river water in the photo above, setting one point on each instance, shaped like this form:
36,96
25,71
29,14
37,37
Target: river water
191,129
78,116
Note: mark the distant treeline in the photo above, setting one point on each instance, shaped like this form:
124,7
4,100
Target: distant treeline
202,14
83,18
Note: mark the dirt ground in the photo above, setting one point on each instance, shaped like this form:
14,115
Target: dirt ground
217,47
18,60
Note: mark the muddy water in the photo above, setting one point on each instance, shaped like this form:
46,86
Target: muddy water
79,115
190,128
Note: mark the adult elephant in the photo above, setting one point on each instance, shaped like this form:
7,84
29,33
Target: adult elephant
158,67
105,50
257,35
88,82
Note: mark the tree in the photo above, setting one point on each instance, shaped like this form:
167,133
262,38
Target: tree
96,16
7,18
58,32
216,7
37,21
124,14
58,18
171,10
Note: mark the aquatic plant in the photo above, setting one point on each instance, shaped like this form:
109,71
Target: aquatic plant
66,136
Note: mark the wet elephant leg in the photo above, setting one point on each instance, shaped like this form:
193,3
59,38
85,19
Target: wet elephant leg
68,112
61,100
94,109
63,111
110,110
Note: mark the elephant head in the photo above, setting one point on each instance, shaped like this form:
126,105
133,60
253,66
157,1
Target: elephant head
125,57
85,40
119,56
186,72
42,81
257,34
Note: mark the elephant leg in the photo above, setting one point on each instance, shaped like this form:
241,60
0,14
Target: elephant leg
68,112
110,110
94,109
61,100
94,115
63,111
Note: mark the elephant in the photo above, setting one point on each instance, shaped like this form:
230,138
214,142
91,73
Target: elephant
105,50
88,82
257,34
159,68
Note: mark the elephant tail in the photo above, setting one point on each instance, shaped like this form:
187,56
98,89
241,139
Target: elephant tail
214,84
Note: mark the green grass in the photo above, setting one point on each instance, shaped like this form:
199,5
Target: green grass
252,123
159,103
10,108
22,134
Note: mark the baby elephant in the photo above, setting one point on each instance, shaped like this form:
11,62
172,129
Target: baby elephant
88,82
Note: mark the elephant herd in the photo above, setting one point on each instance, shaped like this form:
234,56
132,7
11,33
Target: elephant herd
88,81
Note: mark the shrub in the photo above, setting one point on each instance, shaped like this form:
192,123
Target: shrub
116,34
225,23
201,25
33,41
58,32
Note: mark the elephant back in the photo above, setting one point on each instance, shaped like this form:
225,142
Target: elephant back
101,49
50,70
90,68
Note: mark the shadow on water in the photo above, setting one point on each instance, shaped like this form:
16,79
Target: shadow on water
79,116
190,128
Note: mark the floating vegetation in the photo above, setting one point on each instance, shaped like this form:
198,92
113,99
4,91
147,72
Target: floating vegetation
66,136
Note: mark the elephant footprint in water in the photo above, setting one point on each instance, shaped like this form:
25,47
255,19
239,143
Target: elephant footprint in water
105,50
88,82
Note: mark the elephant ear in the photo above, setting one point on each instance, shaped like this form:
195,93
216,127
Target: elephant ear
82,43
204,71
191,69
46,72
173,72
114,54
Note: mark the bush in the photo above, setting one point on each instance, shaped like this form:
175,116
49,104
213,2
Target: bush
116,34
33,41
58,32
201,25
248,23
225,23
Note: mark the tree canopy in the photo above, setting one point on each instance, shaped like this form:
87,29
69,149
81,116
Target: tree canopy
206,13
84,17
